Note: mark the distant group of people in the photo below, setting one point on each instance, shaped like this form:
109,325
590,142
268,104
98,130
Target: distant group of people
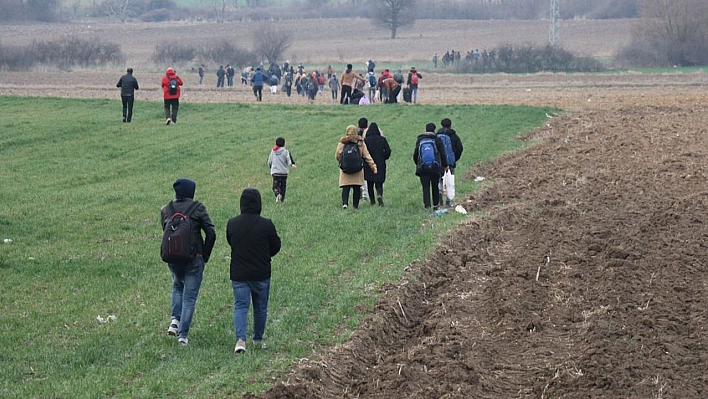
361,153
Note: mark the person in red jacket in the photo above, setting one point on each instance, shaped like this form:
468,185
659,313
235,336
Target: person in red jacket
171,90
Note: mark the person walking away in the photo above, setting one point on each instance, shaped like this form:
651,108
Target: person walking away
371,83
187,277
334,86
220,73
455,147
171,91
254,241
230,72
128,84
288,83
330,71
274,83
413,78
257,80
279,162
363,126
351,153
392,89
201,71
347,79
430,160
380,151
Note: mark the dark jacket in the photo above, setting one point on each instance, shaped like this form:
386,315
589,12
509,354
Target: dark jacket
258,78
184,194
455,140
380,151
253,240
128,84
441,151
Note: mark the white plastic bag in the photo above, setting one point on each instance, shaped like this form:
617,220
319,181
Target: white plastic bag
449,183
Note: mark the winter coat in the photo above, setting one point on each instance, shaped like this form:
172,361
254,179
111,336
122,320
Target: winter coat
128,84
253,240
380,151
441,151
258,78
353,179
184,194
457,147
166,85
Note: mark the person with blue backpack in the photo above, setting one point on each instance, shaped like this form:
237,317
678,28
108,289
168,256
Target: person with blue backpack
453,149
431,162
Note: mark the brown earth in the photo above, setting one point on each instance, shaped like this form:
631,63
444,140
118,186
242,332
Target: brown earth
583,274
580,273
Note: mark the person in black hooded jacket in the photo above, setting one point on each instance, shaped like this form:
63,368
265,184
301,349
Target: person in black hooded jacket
187,278
253,240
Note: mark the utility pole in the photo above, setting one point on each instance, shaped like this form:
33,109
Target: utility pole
554,32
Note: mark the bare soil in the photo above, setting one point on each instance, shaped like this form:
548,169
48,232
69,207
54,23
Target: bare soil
580,273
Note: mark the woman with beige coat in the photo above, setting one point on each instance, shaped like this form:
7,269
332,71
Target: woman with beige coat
353,181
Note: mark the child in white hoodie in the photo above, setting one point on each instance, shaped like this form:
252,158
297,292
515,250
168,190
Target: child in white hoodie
279,162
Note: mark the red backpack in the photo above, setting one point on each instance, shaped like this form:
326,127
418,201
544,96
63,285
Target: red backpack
414,78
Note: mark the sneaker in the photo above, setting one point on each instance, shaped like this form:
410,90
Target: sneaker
344,206
168,121
124,119
240,346
278,198
380,200
183,341
259,344
174,328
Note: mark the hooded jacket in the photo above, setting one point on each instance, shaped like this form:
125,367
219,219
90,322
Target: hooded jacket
353,179
379,150
169,75
253,240
441,151
279,161
184,197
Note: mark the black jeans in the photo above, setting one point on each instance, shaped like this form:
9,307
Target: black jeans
393,96
258,92
430,182
174,104
357,195
370,185
280,183
346,93
127,107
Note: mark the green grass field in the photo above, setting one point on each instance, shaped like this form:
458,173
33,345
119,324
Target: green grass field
80,202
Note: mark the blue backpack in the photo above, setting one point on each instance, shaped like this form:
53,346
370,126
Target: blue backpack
428,157
372,80
449,152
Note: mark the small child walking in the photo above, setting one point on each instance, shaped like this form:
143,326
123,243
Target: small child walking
279,162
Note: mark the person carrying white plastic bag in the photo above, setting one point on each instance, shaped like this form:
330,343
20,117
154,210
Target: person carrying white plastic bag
449,185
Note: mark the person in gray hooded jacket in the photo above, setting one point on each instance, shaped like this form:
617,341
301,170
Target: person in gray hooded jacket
279,162
187,278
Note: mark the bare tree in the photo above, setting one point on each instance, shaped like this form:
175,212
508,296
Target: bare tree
394,13
677,27
271,41
219,7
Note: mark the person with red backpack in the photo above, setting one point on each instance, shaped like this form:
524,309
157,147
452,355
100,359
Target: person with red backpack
171,91
413,78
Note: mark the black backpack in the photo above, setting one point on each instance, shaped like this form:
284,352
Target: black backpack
173,86
351,160
178,237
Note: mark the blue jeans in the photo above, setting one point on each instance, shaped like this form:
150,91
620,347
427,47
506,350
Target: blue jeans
244,291
186,280
414,94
